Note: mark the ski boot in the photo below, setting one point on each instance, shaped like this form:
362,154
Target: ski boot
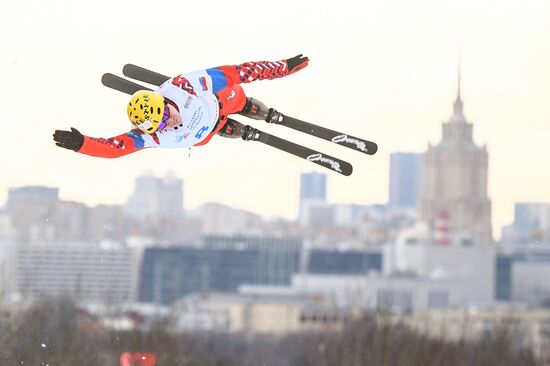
257,110
251,133
234,129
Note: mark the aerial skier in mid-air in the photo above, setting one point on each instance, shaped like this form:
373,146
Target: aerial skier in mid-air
189,109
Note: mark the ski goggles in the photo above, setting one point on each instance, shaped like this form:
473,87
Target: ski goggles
165,117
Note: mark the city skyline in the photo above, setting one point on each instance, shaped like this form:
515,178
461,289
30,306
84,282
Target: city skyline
532,213
394,87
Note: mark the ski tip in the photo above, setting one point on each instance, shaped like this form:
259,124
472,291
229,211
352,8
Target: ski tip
104,78
128,67
329,162
347,169
373,148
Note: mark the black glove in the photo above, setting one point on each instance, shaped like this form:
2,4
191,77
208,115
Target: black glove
72,139
296,63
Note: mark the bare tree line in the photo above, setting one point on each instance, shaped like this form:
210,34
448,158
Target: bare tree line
53,332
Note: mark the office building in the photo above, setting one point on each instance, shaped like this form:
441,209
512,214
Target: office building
407,278
405,175
82,272
156,198
31,210
521,271
219,264
313,187
313,196
531,223
344,261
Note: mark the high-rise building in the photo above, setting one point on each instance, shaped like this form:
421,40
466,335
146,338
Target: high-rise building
156,198
531,223
454,180
144,201
6,227
313,186
530,217
171,196
313,194
81,272
31,210
31,194
405,174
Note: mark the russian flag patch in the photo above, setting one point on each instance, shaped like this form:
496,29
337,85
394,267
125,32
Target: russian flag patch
204,86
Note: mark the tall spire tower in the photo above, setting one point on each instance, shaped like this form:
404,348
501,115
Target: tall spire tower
455,179
458,106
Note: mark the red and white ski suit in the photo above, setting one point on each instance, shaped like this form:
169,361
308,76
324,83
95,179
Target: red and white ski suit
204,99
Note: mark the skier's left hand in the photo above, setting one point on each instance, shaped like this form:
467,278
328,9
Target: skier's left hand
71,140
296,63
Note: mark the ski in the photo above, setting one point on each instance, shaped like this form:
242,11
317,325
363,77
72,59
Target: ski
251,134
121,84
339,138
316,157
144,75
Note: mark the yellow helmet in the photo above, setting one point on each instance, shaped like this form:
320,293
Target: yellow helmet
145,110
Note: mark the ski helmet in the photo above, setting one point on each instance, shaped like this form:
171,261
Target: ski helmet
146,109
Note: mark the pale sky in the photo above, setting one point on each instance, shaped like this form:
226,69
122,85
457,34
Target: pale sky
382,70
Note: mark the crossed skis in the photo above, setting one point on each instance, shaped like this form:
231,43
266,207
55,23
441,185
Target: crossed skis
253,134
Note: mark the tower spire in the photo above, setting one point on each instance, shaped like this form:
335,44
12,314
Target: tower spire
458,105
459,78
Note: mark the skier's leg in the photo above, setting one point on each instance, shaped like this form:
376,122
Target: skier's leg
257,110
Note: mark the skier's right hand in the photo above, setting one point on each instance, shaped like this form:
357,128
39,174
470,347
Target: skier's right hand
71,140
